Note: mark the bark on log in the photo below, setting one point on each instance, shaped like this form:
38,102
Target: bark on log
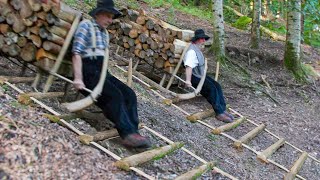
154,154
14,79
65,13
296,167
28,52
250,135
35,5
4,28
201,115
5,9
58,31
25,10
228,126
195,173
141,20
263,156
25,98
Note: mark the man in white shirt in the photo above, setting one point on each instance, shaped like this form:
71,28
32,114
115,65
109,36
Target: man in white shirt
211,90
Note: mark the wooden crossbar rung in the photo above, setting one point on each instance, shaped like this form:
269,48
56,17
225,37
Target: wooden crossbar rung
228,126
296,167
154,154
250,135
24,98
201,115
263,156
195,173
100,136
12,79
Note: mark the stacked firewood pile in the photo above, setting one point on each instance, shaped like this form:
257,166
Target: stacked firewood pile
151,40
33,31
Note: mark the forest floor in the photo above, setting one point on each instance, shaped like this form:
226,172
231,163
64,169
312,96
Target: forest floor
32,147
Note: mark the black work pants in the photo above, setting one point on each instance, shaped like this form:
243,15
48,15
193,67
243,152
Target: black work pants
212,91
117,101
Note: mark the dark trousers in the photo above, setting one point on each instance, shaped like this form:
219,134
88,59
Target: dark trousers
212,91
117,101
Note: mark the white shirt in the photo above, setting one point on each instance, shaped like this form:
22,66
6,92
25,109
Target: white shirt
191,59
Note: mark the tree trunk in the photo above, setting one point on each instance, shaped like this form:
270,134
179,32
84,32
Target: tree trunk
255,27
218,30
292,56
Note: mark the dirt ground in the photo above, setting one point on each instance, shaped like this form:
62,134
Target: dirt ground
35,148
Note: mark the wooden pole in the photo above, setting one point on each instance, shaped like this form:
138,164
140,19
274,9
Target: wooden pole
250,135
154,154
129,82
263,156
62,53
195,173
296,167
217,71
228,126
201,115
12,79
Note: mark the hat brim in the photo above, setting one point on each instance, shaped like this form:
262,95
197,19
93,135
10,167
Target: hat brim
114,11
199,37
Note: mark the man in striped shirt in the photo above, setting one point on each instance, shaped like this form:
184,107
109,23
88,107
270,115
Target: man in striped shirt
117,101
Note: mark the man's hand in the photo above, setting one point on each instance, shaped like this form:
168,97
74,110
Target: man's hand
78,84
188,84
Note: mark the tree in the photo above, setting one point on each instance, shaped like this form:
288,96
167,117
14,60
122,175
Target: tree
292,56
255,27
218,30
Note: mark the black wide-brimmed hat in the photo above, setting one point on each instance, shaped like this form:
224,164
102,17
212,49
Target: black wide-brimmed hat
105,6
199,33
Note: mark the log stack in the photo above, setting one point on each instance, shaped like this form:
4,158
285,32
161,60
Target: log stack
155,42
33,31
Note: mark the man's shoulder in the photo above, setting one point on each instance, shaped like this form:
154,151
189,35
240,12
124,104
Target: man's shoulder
85,23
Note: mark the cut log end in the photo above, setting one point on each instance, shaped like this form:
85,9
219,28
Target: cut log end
167,102
85,139
237,144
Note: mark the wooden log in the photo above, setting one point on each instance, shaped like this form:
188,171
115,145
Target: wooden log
64,12
27,22
126,45
200,115
25,10
1,41
296,167
131,42
154,154
138,46
56,39
195,173
150,24
141,20
36,40
5,9
46,7
178,46
28,52
159,63
25,98
133,15
145,46
15,79
22,41
11,38
186,35
15,20
41,54
126,28
4,28
143,38
51,47
263,156
35,5
34,30
5,48
250,135
133,33
14,50
58,31
228,126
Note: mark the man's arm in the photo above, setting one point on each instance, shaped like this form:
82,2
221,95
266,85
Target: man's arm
77,72
188,76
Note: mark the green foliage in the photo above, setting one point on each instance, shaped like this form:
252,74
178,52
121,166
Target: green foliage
242,23
275,27
71,2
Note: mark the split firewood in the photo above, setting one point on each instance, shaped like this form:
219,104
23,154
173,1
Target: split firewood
58,31
22,41
14,50
51,47
15,20
36,40
41,53
35,5
28,52
4,28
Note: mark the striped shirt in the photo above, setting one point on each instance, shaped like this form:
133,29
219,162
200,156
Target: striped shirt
82,42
